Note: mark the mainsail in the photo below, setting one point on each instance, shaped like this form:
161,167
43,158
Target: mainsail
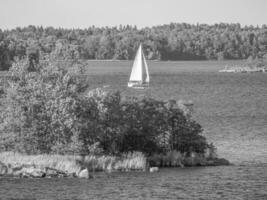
139,77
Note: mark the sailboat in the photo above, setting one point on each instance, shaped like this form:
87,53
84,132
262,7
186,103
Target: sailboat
139,77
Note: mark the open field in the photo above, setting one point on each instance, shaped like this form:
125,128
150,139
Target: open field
232,108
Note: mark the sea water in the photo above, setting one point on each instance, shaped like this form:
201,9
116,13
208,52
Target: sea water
223,182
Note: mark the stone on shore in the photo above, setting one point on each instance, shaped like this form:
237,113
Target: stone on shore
84,174
32,171
153,169
3,169
28,171
54,173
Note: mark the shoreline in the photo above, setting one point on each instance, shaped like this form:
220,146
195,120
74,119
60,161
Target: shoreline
60,166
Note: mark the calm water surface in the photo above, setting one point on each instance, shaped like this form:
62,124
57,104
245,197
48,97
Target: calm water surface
226,182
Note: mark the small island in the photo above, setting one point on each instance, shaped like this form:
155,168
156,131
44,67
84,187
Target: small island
250,66
54,125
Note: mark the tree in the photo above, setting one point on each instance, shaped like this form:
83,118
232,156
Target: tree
44,111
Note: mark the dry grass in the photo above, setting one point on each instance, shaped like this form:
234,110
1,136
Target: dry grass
131,161
74,164
59,162
127,162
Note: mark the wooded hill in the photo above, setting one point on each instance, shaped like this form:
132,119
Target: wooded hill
175,41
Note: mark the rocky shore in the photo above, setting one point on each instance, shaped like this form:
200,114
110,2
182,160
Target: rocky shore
33,171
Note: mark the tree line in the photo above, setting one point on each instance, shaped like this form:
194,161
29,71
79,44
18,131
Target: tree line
174,41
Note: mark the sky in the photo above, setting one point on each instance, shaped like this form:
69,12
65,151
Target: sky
142,13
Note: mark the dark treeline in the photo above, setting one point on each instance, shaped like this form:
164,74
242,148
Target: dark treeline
175,41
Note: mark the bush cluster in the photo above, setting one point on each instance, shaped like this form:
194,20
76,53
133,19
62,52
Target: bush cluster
46,110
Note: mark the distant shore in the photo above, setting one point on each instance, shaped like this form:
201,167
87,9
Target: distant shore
243,69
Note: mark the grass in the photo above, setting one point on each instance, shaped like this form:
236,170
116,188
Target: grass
74,164
59,162
132,161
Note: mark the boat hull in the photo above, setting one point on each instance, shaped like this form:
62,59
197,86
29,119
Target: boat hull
138,85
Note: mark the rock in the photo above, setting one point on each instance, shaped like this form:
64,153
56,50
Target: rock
153,169
35,172
28,171
84,174
9,170
16,171
50,173
3,169
72,175
55,173
32,171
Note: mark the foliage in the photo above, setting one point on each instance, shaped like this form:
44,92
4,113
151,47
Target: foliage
43,110
145,124
257,63
47,111
175,41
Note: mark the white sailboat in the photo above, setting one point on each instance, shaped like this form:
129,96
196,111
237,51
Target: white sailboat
139,77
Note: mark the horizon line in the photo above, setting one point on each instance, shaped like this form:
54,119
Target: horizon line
134,25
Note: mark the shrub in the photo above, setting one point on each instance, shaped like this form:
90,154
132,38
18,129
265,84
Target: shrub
146,125
44,111
167,159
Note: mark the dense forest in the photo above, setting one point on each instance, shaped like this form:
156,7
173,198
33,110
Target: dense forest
175,41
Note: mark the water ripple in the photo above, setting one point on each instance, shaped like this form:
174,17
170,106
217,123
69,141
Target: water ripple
231,182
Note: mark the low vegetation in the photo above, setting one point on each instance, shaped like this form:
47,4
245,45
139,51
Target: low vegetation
59,162
45,165
72,165
258,65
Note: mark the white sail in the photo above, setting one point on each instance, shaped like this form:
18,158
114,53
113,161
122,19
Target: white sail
136,74
139,76
146,68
